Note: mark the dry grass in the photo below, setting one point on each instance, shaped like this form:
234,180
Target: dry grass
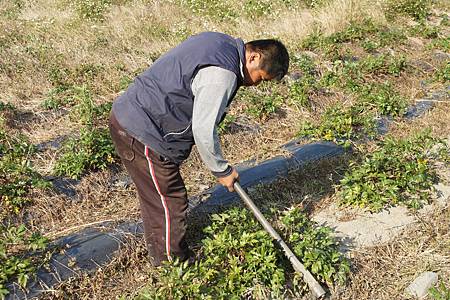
128,272
96,199
383,272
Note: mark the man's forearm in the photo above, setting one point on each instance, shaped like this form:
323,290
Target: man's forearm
212,88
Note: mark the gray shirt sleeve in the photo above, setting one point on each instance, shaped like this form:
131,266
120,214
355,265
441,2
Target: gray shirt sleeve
212,88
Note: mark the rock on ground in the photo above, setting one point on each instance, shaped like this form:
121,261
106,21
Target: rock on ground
420,286
369,229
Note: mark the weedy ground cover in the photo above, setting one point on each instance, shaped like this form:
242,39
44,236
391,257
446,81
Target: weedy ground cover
397,172
17,176
417,9
237,258
230,10
92,150
224,126
18,255
17,179
262,102
340,125
442,74
367,33
302,88
440,292
372,98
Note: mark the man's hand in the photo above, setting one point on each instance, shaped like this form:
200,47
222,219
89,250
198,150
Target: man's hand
229,180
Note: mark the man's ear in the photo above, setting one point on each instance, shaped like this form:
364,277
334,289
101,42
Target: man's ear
254,56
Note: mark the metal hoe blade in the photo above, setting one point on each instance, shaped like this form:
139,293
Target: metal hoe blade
315,287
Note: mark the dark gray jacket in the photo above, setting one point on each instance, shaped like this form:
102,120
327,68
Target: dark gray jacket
157,108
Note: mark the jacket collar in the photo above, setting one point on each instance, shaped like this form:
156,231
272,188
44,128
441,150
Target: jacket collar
241,50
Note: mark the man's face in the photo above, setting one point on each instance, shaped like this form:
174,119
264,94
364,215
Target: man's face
253,75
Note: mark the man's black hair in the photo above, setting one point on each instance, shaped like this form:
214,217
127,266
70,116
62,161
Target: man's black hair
275,57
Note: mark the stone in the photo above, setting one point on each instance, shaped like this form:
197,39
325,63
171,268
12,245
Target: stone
419,287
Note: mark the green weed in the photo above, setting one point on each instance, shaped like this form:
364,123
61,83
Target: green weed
370,35
255,9
441,292
16,263
417,9
220,10
6,106
12,9
386,36
237,256
311,3
383,64
397,172
382,99
225,124
86,111
301,89
443,73
68,83
94,10
17,177
315,247
352,73
340,126
262,102
440,43
424,30
58,97
93,150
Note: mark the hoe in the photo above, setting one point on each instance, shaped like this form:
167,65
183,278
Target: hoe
315,287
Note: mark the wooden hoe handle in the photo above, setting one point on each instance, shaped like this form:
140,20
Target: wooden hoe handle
315,287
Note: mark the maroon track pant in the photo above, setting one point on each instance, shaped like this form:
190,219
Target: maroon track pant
162,195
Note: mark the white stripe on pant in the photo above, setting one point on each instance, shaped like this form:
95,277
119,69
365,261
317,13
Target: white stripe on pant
163,201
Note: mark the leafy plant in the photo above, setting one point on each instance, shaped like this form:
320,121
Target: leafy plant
300,89
354,75
417,9
340,125
15,264
93,10
91,151
86,111
315,247
440,43
239,259
254,9
383,64
441,292
424,30
220,10
382,98
397,172
367,33
17,177
225,124
6,106
386,36
443,73
263,101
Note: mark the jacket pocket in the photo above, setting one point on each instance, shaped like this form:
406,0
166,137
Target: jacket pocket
123,143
